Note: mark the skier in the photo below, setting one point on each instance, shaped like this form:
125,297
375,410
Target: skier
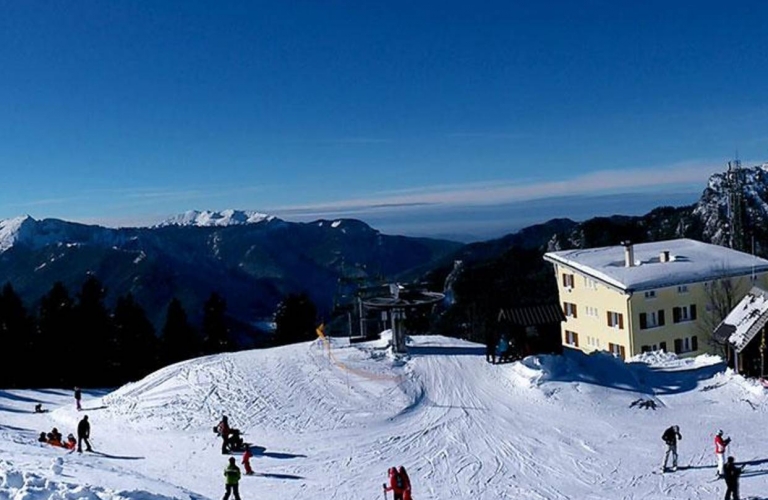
731,472
396,484
223,430
670,436
406,483
232,475
83,433
720,446
78,397
247,461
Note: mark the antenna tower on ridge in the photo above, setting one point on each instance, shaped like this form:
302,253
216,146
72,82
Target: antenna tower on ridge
734,188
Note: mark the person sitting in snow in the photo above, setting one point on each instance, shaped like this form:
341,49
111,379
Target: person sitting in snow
42,438
54,437
39,408
71,442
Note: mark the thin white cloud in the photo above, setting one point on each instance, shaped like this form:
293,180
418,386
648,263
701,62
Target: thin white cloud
510,191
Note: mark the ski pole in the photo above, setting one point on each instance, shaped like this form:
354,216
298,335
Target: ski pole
384,487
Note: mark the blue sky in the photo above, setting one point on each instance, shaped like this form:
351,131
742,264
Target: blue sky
447,117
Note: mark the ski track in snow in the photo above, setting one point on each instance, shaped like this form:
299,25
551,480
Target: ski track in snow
329,427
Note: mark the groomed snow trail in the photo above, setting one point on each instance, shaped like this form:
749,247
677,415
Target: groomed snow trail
329,426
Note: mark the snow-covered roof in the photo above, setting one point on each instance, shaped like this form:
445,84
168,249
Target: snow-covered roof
745,320
690,261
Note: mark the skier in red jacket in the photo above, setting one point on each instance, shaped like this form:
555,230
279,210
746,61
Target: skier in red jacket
396,484
720,445
406,483
247,460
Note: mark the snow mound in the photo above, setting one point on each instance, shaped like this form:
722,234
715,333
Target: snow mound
661,359
29,486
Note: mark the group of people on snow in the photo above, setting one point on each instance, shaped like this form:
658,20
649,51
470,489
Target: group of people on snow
399,484
498,348
55,438
726,469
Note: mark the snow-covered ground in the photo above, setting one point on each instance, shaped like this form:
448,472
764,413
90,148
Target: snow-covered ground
326,424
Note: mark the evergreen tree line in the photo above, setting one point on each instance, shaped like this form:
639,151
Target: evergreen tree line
69,341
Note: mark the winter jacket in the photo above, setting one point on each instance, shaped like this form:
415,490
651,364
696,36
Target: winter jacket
247,455
83,429
671,436
232,473
396,483
720,444
78,394
731,473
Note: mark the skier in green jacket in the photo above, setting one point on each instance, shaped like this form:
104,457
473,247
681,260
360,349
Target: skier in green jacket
232,475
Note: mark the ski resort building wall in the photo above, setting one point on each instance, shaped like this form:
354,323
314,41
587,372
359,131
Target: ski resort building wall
628,299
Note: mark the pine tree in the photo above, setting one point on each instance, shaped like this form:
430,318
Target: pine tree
56,349
295,319
179,340
137,346
216,337
93,336
16,329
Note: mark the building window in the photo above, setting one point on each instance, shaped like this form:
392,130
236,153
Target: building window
615,320
616,350
649,348
572,338
568,280
652,319
590,283
570,309
686,344
591,311
650,294
684,313
682,288
663,346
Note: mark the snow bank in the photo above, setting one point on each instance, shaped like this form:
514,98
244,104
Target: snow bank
15,485
668,360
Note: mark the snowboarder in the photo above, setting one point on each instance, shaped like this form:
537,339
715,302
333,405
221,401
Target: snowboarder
39,408
232,475
720,446
223,430
670,437
247,461
731,473
83,433
396,484
78,397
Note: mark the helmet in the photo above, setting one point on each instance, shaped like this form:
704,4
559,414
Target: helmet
720,432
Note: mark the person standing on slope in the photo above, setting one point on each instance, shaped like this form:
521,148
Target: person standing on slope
396,484
720,446
83,433
671,436
247,461
731,473
223,430
232,475
406,483
491,340
78,397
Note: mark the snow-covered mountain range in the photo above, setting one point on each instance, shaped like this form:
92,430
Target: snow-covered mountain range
250,259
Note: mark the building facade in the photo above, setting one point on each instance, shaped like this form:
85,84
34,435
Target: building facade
664,295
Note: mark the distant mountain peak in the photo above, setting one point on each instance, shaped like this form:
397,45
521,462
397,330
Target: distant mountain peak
12,230
209,218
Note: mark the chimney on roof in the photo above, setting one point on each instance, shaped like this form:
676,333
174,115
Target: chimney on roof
664,256
629,253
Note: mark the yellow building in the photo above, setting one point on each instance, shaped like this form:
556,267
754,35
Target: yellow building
664,295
